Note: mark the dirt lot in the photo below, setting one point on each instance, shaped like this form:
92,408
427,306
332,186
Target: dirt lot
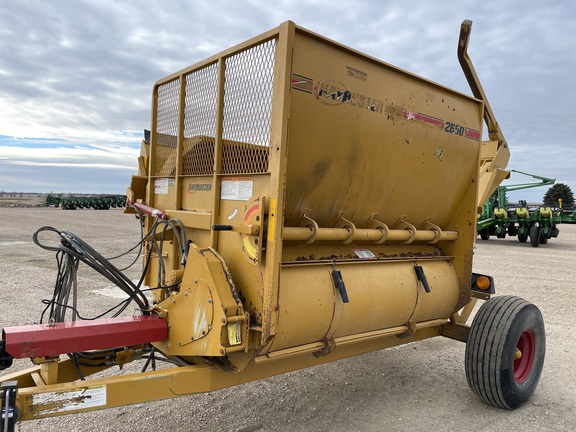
418,387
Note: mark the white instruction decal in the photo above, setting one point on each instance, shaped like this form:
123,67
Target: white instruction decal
237,188
161,186
68,400
364,253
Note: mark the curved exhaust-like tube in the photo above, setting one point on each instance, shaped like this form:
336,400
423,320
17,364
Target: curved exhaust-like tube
494,154
466,63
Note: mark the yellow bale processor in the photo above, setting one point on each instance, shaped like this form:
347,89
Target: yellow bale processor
303,203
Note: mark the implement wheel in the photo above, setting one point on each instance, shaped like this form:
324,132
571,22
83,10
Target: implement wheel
522,236
543,237
485,234
535,236
505,351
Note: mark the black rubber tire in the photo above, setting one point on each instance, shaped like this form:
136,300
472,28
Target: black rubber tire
543,238
555,232
502,324
534,236
484,234
522,237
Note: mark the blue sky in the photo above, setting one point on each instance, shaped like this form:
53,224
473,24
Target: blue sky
76,77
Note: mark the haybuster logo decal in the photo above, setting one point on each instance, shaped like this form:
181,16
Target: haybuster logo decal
332,92
199,187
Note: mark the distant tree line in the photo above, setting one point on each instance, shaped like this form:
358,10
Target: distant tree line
11,194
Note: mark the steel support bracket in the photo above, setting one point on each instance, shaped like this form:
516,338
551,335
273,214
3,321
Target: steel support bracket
8,393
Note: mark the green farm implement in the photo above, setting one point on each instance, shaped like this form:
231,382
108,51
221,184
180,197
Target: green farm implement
96,202
567,214
499,218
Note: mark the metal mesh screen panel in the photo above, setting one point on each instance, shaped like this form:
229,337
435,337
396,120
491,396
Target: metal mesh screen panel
200,121
247,109
167,128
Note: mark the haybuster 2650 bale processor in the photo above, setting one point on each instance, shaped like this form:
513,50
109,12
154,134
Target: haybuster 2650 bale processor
304,203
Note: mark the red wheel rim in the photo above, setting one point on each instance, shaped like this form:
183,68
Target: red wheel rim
523,365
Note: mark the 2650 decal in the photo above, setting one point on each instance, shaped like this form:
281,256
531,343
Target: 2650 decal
454,128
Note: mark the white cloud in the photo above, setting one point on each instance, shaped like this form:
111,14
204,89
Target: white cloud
83,71
69,164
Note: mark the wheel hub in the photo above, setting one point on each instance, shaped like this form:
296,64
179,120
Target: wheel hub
524,356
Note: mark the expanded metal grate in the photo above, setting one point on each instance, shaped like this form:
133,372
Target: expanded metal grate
200,121
167,128
247,109
248,85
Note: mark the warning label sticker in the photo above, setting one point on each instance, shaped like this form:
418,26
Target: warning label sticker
237,188
235,333
364,253
161,185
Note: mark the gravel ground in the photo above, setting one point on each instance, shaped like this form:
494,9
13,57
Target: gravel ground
418,387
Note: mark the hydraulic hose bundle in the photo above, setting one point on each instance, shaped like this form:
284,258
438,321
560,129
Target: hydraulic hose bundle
72,250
